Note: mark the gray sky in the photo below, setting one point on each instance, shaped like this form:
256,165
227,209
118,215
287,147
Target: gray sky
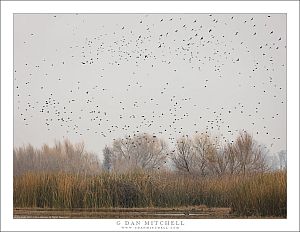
96,77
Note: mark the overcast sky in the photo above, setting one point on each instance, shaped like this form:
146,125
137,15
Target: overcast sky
96,77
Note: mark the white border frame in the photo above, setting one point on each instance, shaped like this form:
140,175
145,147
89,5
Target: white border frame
7,10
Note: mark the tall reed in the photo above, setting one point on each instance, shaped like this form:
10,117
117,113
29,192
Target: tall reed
256,194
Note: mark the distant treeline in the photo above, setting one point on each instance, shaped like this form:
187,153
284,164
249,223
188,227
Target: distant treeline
62,157
197,155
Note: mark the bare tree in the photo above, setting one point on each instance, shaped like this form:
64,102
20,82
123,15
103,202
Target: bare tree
231,159
199,156
203,155
142,151
150,152
206,154
250,156
184,156
218,163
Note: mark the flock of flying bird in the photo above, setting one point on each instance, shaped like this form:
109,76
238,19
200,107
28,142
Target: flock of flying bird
193,57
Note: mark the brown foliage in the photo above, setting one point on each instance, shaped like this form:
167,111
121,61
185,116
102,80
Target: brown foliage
64,157
261,194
